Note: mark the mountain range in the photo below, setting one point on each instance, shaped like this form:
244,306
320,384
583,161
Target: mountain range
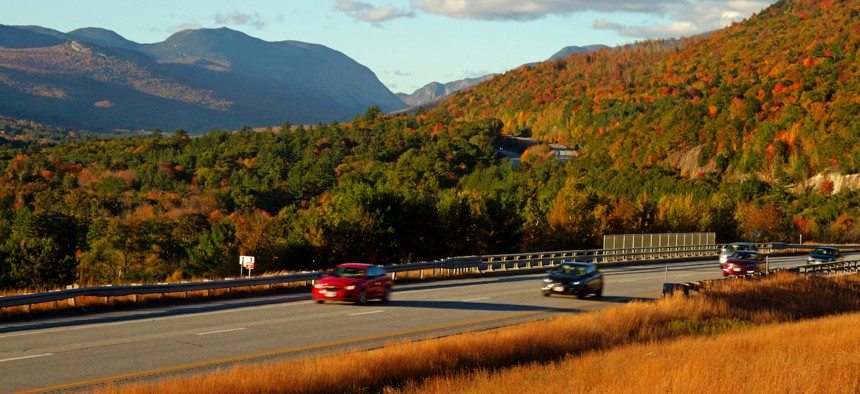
433,92
195,80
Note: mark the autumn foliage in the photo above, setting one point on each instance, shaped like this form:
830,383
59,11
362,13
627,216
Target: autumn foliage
764,103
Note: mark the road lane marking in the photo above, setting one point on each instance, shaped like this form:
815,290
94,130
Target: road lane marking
316,346
628,280
26,357
476,299
87,326
220,331
365,313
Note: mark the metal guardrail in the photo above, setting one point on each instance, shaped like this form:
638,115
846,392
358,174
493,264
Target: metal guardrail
839,267
454,265
830,268
504,262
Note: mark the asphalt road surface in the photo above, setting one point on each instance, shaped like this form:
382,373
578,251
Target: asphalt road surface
77,351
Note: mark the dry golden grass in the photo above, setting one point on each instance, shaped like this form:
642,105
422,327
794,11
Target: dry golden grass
812,356
643,341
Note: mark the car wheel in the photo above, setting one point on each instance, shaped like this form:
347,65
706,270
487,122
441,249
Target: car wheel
599,292
546,293
320,301
582,293
362,297
387,296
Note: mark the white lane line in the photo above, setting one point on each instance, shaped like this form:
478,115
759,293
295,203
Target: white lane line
476,299
135,321
365,313
628,280
220,331
26,357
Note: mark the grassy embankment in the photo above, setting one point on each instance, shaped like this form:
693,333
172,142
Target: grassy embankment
784,334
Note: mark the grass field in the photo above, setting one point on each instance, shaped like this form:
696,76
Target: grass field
785,334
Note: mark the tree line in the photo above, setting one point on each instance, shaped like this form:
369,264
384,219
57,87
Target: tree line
380,189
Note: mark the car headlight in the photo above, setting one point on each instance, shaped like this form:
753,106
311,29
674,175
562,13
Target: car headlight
318,286
350,287
547,281
576,283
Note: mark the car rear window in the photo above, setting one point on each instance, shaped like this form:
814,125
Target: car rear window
348,272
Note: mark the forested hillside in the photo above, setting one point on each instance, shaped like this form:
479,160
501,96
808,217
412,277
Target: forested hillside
388,189
774,96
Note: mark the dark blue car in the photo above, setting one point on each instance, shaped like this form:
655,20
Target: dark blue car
574,278
824,254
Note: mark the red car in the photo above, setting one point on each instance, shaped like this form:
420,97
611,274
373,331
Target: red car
353,282
741,262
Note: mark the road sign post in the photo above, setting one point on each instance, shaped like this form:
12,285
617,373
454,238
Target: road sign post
246,262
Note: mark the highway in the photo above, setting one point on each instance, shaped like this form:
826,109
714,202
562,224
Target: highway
72,350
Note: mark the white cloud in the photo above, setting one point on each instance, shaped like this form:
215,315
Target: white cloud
367,12
519,10
183,26
682,17
666,18
237,18
603,24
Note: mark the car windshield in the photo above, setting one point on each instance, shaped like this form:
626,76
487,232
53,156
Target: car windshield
827,252
571,269
347,272
745,255
736,247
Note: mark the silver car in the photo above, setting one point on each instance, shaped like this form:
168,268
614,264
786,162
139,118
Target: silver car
733,247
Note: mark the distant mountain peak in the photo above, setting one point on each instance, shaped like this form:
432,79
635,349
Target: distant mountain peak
568,50
196,79
435,90
103,37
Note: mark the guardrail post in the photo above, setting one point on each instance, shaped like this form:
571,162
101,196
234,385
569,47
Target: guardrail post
668,289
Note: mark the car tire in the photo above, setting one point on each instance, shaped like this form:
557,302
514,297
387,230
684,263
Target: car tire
582,294
387,296
599,292
362,297
546,294
320,301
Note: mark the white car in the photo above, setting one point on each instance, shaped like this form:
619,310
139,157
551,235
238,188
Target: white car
729,249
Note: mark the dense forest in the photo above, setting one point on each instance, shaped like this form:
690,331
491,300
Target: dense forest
90,209
774,96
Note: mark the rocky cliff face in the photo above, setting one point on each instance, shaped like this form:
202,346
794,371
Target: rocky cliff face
688,163
831,182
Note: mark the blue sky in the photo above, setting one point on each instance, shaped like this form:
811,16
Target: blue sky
407,43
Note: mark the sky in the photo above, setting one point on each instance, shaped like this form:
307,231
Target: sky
406,43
